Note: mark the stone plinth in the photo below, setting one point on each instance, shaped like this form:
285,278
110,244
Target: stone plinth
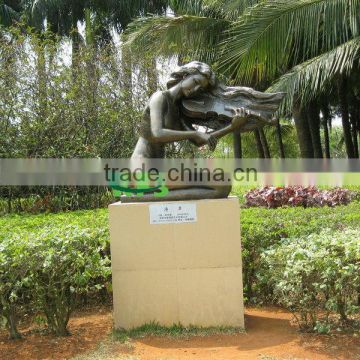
184,272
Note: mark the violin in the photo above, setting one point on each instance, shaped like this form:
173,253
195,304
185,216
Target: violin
218,110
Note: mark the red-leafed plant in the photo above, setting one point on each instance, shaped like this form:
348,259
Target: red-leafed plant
274,197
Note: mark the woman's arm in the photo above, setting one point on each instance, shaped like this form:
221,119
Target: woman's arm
161,135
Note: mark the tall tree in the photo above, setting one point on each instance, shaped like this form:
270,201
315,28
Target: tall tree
344,107
318,40
195,32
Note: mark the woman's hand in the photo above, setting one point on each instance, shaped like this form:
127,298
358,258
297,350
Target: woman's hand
201,139
240,118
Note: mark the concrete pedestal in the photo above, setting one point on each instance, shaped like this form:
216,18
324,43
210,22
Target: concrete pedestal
185,272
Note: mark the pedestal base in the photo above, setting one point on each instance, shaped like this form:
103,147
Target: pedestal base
181,272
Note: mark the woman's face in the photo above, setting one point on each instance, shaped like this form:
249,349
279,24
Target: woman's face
194,84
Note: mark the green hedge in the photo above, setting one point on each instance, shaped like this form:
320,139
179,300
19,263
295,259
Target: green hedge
261,229
317,275
46,270
41,199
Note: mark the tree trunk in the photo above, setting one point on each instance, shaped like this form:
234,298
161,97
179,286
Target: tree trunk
42,81
126,65
10,200
303,131
92,81
237,145
341,308
89,33
345,119
76,39
75,46
279,139
151,73
259,144
314,126
358,124
11,324
326,120
264,143
354,113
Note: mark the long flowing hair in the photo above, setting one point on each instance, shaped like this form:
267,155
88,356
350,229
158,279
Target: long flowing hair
194,67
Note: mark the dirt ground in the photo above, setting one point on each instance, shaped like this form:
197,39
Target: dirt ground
269,336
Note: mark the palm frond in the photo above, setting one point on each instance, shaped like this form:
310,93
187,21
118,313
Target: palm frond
285,129
7,15
41,9
226,9
232,9
196,29
354,16
43,6
122,12
165,35
311,77
275,33
187,7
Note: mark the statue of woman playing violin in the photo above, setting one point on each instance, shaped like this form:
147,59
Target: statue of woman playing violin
164,121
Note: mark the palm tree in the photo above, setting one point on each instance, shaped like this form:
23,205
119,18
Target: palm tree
194,32
63,16
9,11
309,46
99,17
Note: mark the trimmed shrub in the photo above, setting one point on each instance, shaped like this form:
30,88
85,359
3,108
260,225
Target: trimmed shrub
15,281
55,265
262,228
316,275
67,262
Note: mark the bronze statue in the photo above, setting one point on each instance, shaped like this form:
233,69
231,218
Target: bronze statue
194,96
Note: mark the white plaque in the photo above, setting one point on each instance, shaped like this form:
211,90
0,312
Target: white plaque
174,213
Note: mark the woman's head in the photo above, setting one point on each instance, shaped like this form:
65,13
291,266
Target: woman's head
194,75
